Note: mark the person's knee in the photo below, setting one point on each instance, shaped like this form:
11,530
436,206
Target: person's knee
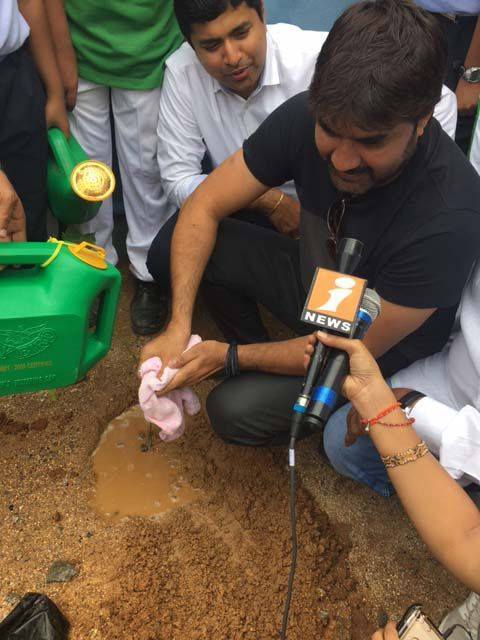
244,410
226,414
334,441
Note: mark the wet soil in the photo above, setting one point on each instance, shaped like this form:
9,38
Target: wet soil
214,568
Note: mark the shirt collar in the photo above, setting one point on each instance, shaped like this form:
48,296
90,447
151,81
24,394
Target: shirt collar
270,75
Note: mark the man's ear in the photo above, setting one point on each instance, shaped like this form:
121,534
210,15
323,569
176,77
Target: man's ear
422,123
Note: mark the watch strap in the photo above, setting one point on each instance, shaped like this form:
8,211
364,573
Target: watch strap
409,398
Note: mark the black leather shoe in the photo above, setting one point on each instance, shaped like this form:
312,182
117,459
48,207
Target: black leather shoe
148,309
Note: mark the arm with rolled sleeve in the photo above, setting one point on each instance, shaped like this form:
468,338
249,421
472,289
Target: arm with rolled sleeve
181,148
454,436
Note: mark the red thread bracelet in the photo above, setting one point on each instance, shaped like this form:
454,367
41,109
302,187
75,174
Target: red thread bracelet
381,415
377,420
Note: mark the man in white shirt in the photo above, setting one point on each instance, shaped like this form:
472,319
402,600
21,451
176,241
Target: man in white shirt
206,110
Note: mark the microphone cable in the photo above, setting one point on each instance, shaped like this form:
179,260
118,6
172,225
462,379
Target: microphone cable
293,523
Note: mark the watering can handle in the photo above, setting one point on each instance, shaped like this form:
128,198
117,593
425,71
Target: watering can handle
99,342
25,252
61,150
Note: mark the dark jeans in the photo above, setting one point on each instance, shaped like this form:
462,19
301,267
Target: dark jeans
250,264
23,137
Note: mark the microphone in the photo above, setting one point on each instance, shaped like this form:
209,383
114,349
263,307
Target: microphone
349,255
325,394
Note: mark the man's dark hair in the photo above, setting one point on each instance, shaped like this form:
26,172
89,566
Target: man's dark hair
189,12
383,63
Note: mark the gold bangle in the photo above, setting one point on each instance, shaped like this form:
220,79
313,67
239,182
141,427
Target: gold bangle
280,200
404,457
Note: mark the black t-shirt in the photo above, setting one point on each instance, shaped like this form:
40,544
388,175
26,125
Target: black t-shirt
421,232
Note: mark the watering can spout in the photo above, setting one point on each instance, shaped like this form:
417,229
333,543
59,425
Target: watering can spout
76,185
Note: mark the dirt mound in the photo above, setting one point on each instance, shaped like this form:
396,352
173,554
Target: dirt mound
217,568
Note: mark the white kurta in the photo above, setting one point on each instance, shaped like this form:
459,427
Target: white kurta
449,418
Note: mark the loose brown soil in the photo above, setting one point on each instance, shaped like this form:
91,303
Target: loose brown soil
214,569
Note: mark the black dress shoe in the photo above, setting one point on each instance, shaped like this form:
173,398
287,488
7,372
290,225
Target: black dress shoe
148,309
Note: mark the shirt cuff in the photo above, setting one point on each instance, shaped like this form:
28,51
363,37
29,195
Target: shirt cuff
431,420
452,436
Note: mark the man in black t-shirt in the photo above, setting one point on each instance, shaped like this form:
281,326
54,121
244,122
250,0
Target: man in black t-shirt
368,162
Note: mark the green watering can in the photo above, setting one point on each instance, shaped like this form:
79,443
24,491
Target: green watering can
76,185
45,340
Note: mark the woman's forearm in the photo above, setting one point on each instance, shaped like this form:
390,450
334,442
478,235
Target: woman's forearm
443,514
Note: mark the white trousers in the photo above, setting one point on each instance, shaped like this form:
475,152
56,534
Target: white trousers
135,117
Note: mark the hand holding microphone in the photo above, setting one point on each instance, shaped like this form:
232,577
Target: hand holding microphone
364,377
325,395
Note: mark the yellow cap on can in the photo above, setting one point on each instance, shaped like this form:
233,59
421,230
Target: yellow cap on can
90,254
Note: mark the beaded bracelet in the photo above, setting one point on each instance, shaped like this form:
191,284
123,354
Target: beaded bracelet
404,457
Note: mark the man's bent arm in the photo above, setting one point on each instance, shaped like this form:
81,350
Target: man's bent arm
284,358
181,147
228,189
393,325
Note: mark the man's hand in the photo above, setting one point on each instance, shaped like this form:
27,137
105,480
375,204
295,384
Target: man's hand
468,95
286,218
56,114
168,346
389,633
197,364
12,216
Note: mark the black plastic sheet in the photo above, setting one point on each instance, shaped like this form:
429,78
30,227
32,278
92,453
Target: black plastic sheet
35,617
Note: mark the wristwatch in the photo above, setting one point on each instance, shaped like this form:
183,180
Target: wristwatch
470,75
410,399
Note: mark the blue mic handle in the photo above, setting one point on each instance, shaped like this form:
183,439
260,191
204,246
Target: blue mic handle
326,394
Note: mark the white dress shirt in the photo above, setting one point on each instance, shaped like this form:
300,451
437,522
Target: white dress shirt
449,418
198,114
13,28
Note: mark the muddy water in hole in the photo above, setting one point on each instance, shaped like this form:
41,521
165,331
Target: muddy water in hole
130,482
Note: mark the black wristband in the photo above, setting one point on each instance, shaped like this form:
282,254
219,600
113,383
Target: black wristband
409,398
231,361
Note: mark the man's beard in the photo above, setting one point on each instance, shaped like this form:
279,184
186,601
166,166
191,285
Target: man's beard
373,182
